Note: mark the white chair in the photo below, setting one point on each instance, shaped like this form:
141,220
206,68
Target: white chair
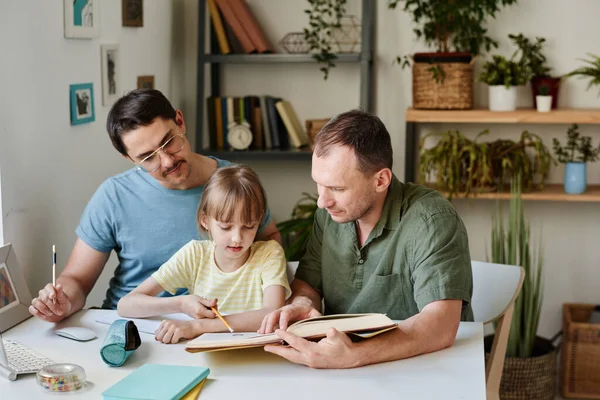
292,266
495,289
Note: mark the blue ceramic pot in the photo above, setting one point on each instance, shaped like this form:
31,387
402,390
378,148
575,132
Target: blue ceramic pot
575,177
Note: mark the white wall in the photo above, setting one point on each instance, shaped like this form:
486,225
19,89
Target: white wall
1,214
50,169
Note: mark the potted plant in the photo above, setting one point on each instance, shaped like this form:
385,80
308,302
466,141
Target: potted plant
530,366
590,71
458,164
543,99
296,231
456,31
575,155
534,59
503,76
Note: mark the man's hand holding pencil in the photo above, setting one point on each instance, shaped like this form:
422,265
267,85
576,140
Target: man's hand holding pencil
52,303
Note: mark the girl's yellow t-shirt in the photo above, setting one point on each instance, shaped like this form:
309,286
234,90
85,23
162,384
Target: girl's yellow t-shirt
193,267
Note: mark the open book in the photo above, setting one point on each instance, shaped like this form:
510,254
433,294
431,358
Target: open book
360,325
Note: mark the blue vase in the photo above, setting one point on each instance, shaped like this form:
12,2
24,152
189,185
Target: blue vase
575,177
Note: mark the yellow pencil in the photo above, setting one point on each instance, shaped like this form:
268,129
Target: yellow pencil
222,319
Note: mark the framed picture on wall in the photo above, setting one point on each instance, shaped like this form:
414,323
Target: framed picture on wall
145,82
132,12
82,18
110,73
82,103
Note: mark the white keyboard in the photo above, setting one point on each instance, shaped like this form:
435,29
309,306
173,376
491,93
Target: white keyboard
22,359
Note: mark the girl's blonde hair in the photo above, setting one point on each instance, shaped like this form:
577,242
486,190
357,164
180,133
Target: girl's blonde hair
227,189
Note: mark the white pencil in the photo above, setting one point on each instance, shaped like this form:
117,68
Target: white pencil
54,268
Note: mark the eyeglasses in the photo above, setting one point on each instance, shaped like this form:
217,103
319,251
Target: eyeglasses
170,147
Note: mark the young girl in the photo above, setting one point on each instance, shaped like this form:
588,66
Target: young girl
248,279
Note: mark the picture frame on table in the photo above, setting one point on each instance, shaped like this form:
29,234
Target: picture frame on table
81,97
132,12
15,297
111,76
82,19
145,82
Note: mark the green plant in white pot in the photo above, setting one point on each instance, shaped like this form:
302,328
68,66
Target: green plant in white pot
503,76
577,152
543,82
543,100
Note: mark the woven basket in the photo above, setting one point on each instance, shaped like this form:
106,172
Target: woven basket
454,93
528,378
580,358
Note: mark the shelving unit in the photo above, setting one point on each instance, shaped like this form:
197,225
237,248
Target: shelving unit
478,116
522,116
274,154
214,62
550,192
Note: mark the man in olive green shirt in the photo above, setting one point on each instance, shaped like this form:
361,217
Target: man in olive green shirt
378,245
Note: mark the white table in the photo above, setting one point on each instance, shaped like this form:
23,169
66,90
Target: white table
454,373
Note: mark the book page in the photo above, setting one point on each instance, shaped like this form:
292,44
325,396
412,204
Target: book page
344,323
226,336
232,339
367,324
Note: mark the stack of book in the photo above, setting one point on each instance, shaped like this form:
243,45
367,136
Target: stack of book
159,382
273,122
236,28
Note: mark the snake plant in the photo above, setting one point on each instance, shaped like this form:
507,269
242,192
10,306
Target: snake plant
513,245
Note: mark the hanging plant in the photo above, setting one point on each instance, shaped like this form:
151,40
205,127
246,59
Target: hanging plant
324,16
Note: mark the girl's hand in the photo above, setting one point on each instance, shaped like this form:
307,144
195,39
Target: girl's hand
171,331
197,307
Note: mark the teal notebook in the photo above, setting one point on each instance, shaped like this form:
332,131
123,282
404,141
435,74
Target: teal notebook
157,382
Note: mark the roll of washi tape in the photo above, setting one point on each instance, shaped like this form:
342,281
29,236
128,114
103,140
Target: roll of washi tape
61,378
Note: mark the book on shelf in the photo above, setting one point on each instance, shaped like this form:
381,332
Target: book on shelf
256,124
272,120
294,128
211,121
218,28
230,17
251,26
279,134
265,121
361,326
236,28
314,126
232,40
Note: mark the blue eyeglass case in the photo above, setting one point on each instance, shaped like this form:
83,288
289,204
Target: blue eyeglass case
121,340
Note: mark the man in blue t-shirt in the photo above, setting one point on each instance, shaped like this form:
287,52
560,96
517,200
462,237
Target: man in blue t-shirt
144,214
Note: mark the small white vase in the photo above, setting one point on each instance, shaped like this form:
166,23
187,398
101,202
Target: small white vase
544,103
503,99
